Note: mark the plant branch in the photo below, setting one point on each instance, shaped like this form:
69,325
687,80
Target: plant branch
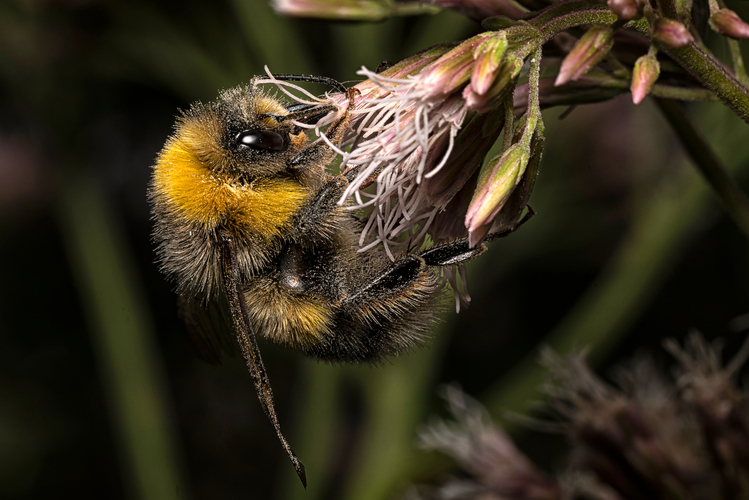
708,71
734,200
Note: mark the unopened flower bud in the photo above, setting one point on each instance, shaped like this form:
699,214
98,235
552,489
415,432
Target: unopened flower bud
671,32
627,9
587,52
646,72
508,71
409,66
452,70
349,10
512,211
470,147
728,23
488,56
496,183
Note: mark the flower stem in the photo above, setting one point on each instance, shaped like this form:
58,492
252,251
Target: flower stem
734,200
534,107
738,61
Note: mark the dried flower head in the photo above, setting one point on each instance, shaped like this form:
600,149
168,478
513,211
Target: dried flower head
644,438
486,452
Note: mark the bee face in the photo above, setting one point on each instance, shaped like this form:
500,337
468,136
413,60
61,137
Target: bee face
244,135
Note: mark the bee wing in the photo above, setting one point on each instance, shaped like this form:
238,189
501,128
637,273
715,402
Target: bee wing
208,325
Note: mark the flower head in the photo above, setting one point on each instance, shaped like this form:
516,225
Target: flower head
419,130
486,452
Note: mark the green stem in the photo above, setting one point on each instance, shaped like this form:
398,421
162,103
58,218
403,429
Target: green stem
565,15
534,109
734,200
662,224
509,121
709,72
123,338
738,61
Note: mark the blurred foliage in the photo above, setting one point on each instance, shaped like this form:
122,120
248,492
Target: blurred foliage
100,393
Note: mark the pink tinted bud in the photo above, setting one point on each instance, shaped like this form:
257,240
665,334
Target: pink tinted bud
488,56
350,10
728,23
627,9
646,72
587,52
481,103
671,32
496,183
451,71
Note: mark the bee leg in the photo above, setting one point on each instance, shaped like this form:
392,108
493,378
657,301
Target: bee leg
320,216
320,152
233,286
459,251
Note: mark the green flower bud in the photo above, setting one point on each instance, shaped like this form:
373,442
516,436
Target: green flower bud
451,71
728,23
587,52
646,72
507,72
671,32
488,57
496,182
627,9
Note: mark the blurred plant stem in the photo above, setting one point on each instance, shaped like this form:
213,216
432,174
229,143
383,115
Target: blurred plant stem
734,200
663,222
123,338
396,399
396,402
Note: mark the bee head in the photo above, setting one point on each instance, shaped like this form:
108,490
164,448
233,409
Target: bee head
246,133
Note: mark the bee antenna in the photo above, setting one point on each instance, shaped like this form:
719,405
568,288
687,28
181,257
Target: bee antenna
313,79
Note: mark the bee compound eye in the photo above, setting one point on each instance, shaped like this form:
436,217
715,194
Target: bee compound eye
261,139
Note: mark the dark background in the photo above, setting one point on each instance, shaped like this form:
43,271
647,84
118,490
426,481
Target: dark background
101,395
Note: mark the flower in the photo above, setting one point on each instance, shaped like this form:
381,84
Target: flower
486,452
419,130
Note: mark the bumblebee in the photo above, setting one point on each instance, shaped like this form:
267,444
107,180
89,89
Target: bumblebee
248,225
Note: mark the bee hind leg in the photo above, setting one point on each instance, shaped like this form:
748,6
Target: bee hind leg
459,251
